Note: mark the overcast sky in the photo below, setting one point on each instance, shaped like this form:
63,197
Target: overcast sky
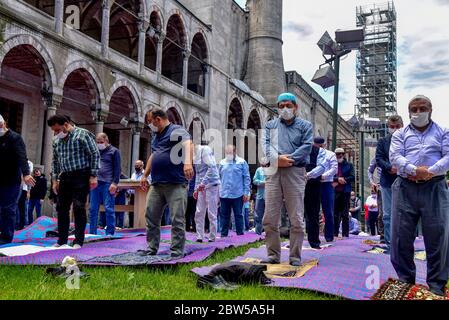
422,39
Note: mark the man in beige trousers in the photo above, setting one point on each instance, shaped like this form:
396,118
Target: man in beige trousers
287,143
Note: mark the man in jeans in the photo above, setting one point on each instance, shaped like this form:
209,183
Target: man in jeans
13,161
169,175
75,165
37,195
108,179
259,181
287,143
388,175
235,187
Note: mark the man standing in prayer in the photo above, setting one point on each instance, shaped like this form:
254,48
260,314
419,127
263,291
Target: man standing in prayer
343,179
287,143
13,161
374,180
170,171
207,185
235,187
108,179
420,152
388,175
323,174
259,181
75,165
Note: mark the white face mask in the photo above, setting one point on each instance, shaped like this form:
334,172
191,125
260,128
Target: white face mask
60,135
229,157
2,132
286,113
153,127
101,146
420,119
392,131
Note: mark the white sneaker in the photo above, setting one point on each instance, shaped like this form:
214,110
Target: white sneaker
76,246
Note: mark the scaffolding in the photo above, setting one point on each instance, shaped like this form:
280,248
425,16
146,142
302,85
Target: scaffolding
377,61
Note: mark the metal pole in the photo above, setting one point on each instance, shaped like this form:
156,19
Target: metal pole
335,115
362,170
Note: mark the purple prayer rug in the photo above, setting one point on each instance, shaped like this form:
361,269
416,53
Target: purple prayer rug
125,251
344,269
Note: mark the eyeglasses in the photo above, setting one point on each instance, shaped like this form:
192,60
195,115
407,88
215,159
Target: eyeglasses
340,154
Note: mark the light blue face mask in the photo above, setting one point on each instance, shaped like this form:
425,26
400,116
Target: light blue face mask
420,120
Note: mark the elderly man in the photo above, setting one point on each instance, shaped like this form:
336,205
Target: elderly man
321,170
108,179
13,161
342,180
420,152
287,143
171,167
235,186
388,175
76,160
324,174
207,185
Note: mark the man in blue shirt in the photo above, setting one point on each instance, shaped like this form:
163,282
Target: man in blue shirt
388,175
170,165
235,187
259,181
287,143
108,179
420,152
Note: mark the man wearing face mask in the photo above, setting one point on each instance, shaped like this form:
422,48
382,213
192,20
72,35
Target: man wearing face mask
420,152
287,143
235,186
388,174
342,180
76,160
171,166
108,179
13,161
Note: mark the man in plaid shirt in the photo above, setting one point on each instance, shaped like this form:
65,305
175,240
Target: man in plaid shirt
76,160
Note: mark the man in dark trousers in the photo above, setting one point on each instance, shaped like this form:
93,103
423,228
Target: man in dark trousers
388,175
14,164
312,196
37,195
75,165
343,180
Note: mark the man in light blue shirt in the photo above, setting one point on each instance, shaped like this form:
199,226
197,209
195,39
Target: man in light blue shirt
207,186
287,143
325,169
235,187
420,152
259,181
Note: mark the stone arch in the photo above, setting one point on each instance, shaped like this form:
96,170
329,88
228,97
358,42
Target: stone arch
198,60
159,11
40,49
177,12
151,42
83,64
143,7
175,107
235,114
197,115
131,87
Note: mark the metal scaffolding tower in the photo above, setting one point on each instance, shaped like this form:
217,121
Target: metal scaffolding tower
377,61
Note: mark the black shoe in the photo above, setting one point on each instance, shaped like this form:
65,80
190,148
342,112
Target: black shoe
295,263
316,247
199,240
270,261
147,252
217,282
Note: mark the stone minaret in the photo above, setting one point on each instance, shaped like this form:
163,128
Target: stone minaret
265,69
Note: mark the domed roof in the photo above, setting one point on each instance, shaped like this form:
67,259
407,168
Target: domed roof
256,95
241,85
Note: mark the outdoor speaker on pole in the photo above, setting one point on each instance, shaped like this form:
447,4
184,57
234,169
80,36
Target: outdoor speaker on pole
325,77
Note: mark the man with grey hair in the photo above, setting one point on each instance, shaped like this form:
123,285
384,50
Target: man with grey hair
108,179
388,175
14,164
287,143
420,152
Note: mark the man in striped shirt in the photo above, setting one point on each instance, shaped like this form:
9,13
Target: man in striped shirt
76,161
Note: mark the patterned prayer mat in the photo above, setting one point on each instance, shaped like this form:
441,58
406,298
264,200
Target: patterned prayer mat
124,251
396,290
345,269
